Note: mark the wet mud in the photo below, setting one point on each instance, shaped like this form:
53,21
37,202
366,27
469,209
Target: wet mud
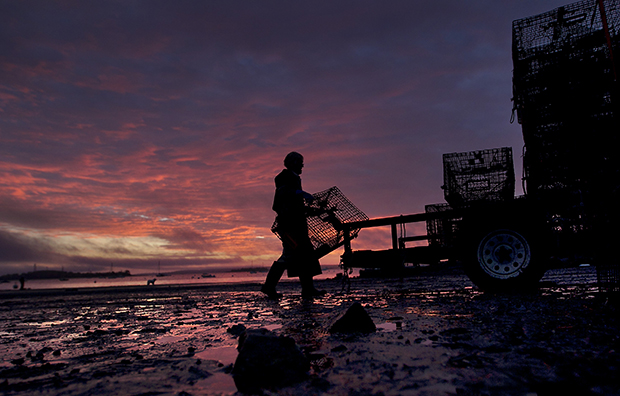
437,335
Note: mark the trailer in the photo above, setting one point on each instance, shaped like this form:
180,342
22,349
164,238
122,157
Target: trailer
565,95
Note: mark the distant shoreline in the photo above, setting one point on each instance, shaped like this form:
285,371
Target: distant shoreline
216,287
250,269
51,274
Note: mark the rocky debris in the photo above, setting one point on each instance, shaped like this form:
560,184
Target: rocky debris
355,320
268,361
236,330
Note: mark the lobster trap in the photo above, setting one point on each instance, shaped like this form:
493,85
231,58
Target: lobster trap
565,95
484,175
440,230
326,215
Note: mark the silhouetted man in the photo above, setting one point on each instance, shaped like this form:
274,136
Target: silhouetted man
298,256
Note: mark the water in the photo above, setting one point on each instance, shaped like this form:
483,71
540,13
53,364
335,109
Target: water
578,275
142,280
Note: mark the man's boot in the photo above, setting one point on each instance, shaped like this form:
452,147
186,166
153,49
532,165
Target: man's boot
273,277
307,288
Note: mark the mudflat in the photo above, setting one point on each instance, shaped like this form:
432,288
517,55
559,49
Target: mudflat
436,335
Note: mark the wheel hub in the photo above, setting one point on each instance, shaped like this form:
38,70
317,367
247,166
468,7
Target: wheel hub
504,254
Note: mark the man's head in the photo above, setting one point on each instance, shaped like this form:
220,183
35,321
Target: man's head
294,161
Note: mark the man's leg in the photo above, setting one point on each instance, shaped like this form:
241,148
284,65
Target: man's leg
273,277
307,287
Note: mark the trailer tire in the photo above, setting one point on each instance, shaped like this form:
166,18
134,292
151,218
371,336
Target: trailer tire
503,258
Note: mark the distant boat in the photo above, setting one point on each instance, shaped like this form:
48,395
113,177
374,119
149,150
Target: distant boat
63,278
159,273
208,276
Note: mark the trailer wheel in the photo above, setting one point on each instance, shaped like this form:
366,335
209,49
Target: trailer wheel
502,258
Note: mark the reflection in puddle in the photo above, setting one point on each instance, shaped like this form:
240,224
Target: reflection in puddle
48,323
273,327
390,326
168,339
563,292
225,355
218,383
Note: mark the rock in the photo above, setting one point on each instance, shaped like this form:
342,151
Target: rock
320,384
355,320
268,361
41,353
454,331
236,330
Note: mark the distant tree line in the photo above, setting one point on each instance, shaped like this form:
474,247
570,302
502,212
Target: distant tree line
51,274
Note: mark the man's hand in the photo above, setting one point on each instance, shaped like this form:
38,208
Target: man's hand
308,197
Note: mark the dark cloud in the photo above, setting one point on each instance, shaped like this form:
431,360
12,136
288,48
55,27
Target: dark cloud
19,248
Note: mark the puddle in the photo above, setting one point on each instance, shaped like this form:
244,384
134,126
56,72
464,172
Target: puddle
390,326
5,364
225,355
48,324
168,339
273,327
218,383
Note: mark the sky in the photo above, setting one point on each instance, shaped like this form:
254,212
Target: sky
134,133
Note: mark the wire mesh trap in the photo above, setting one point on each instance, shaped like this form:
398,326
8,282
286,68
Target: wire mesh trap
329,210
483,175
441,231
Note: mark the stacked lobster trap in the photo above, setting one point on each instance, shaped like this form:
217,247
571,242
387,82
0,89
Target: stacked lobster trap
483,175
469,177
565,96
565,92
